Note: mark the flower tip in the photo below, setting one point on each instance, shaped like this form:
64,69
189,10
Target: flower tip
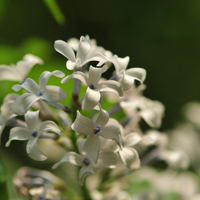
55,166
8,143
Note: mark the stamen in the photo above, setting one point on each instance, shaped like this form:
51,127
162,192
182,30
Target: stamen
97,129
34,134
92,86
41,93
86,162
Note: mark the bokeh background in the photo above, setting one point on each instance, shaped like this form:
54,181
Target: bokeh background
161,36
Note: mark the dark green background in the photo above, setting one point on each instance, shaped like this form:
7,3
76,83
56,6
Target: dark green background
161,36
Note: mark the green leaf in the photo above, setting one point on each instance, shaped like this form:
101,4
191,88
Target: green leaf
55,11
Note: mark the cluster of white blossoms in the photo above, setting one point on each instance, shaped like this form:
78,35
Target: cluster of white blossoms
98,139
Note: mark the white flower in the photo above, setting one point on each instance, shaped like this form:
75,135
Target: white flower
6,114
20,71
82,56
137,106
42,91
103,126
32,134
94,88
106,159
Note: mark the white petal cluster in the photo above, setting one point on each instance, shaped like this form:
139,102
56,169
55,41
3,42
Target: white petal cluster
49,93
32,133
95,140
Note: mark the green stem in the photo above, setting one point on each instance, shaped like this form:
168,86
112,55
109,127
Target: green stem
86,193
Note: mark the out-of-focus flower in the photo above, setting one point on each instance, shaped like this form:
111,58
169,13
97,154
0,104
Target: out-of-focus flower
49,93
38,184
19,71
138,106
94,88
33,133
103,126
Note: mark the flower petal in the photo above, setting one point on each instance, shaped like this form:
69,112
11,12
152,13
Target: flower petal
44,77
131,139
33,150
33,59
130,158
53,93
83,125
23,103
29,85
90,99
107,159
70,65
31,118
77,75
137,73
6,110
111,86
49,126
111,132
85,171
23,68
64,49
102,119
95,75
83,49
70,157
18,133
122,62
126,81
92,147
9,73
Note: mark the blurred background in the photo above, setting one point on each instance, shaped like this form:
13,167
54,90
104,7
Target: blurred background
160,36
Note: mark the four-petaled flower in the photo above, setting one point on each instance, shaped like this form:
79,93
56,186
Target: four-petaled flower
94,86
106,160
49,93
33,133
103,126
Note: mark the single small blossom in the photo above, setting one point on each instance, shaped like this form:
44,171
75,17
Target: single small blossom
82,56
102,127
32,133
49,93
94,86
137,106
19,71
105,160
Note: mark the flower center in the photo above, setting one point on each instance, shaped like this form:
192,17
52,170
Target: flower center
92,86
41,93
97,129
86,162
34,133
